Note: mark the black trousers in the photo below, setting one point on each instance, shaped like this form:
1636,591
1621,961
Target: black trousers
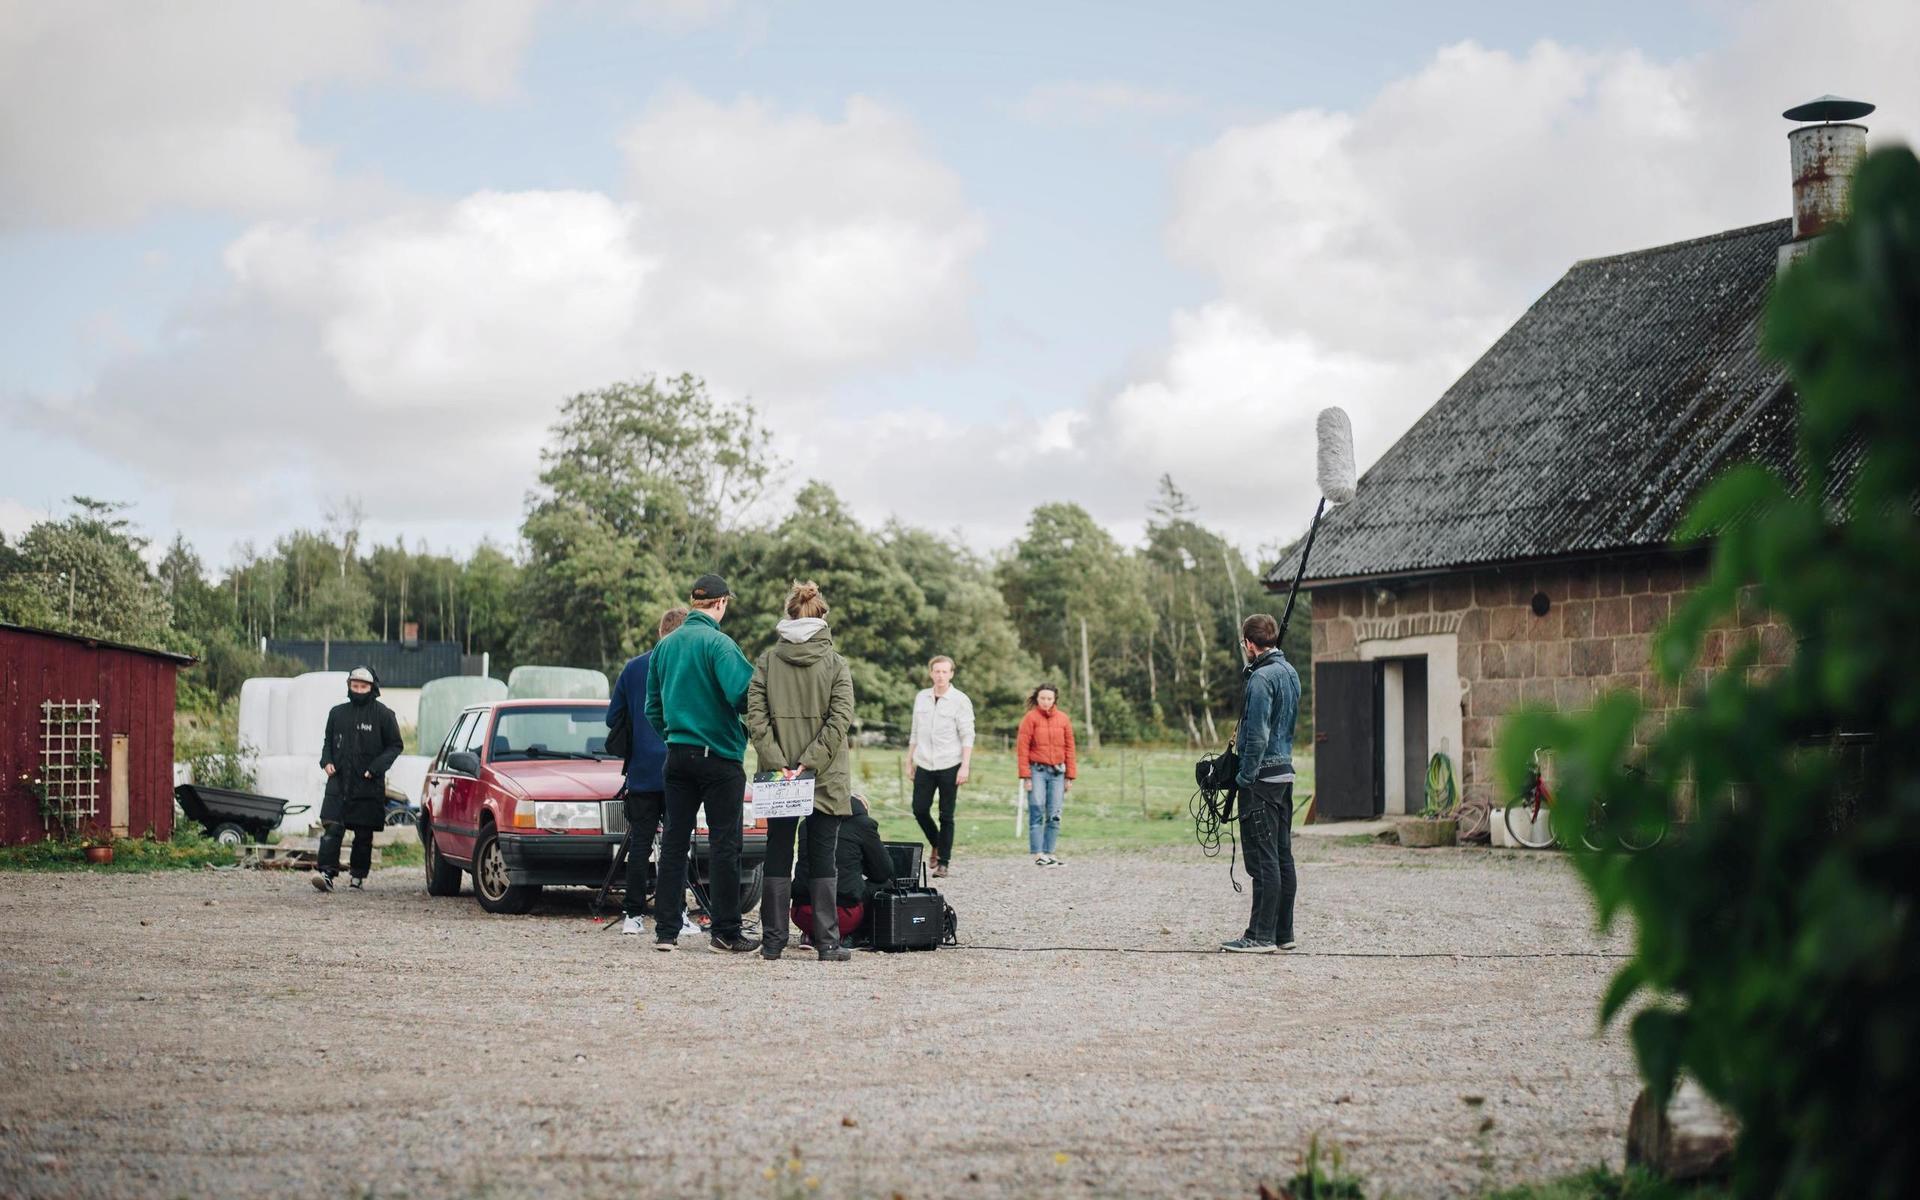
644,811
947,782
1266,832
819,839
332,833
695,778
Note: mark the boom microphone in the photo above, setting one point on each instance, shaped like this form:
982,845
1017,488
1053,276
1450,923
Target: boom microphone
1338,485
1337,476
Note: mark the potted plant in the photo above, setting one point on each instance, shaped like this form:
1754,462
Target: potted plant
1438,822
98,851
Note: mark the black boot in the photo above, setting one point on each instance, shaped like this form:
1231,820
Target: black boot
775,916
826,921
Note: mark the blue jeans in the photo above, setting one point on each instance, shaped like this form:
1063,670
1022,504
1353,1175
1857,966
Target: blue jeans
1043,808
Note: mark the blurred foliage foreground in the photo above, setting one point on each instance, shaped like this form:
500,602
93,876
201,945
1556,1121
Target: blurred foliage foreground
1776,958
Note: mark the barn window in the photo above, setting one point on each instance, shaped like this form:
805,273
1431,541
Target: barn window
70,763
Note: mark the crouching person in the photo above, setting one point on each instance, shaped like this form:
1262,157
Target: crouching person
864,867
362,740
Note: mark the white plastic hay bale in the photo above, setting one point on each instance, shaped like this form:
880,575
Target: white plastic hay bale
442,699
256,714
297,779
557,683
408,776
310,698
277,741
405,705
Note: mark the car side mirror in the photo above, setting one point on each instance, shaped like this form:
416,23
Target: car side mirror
464,762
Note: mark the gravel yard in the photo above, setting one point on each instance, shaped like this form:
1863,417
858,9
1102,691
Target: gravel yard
226,1033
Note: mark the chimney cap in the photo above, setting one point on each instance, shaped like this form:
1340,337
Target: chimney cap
1828,108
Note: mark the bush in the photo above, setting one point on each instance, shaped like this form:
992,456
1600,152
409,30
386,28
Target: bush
1777,939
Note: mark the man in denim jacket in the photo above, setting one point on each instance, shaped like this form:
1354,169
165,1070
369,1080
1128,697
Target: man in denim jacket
1265,783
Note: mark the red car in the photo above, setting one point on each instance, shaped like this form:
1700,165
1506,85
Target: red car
522,795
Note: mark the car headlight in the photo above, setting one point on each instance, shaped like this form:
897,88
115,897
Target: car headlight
567,814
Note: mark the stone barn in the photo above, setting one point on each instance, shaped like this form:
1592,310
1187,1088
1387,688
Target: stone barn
1517,544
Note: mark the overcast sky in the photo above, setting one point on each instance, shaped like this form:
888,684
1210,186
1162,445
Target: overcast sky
966,258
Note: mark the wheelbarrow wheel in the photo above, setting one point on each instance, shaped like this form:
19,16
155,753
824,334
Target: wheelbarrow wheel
226,833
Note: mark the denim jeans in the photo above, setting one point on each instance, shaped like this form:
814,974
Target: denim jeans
1266,833
1043,808
695,778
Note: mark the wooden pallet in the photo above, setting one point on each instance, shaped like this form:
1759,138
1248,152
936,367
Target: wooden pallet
292,854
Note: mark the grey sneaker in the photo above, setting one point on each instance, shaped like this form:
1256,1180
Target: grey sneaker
357,884
322,882
665,946
1246,945
1288,944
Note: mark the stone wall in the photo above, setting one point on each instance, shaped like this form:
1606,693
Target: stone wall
1595,636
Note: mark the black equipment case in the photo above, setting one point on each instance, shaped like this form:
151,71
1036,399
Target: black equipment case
907,917
907,914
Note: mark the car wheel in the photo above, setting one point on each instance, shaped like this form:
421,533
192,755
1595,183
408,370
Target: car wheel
491,884
228,834
752,884
443,877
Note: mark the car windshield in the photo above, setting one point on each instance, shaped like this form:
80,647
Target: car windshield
522,734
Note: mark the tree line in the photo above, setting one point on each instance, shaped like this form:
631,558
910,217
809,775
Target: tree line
645,485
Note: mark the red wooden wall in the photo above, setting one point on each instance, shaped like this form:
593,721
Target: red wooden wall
135,691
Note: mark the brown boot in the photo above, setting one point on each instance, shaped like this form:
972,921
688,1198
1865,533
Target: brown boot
826,921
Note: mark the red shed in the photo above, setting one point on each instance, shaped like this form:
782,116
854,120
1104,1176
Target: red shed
89,724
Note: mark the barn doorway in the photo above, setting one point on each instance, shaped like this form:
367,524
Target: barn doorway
1377,722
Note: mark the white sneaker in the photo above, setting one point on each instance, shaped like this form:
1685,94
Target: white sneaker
1055,862
690,928
630,926
1040,860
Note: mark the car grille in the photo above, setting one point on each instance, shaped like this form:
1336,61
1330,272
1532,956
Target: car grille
613,816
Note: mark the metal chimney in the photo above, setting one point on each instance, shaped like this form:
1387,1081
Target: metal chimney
1824,156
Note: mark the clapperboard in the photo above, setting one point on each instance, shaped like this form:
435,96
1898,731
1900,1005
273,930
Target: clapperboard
777,794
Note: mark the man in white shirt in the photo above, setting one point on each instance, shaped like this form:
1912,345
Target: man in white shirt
939,753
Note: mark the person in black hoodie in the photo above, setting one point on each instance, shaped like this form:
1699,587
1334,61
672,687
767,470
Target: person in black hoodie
864,868
362,740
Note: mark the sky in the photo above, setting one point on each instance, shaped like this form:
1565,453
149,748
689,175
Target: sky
964,259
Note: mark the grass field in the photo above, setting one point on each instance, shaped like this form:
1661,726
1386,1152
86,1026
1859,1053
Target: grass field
1126,798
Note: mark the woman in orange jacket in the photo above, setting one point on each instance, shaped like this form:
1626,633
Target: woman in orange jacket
1047,770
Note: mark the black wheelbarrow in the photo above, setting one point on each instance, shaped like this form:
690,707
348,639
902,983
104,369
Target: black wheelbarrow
231,817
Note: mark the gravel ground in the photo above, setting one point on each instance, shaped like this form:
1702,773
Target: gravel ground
220,1033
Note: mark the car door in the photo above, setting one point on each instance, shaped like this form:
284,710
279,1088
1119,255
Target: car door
466,793
453,815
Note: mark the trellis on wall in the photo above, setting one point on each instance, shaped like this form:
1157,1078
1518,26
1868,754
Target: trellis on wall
70,762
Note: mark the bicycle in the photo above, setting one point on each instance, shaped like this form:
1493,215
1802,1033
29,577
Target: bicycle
1531,832
1537,834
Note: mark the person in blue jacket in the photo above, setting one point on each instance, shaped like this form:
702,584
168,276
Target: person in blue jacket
1265,784
645,797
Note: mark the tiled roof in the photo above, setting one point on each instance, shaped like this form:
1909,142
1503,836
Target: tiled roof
1589,424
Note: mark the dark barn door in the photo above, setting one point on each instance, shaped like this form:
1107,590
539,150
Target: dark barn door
1346,744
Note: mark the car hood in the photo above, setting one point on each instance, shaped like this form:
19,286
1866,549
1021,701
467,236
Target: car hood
568,779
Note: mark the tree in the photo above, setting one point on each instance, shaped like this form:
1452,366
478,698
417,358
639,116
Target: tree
877,611
640,482
85,575
1068,572
966,619
1776,946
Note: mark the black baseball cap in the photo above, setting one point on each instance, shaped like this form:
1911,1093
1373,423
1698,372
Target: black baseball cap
709,587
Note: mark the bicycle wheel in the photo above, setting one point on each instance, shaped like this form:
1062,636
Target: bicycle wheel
1595,835
1644,834
1528,827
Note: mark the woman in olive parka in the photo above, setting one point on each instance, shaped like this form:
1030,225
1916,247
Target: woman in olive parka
799,713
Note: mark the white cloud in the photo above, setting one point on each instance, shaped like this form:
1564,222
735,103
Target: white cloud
418,359
109,111
796,247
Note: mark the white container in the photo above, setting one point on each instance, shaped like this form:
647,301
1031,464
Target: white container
277,741
557,683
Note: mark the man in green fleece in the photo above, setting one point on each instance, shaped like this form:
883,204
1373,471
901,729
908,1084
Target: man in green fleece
696,691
